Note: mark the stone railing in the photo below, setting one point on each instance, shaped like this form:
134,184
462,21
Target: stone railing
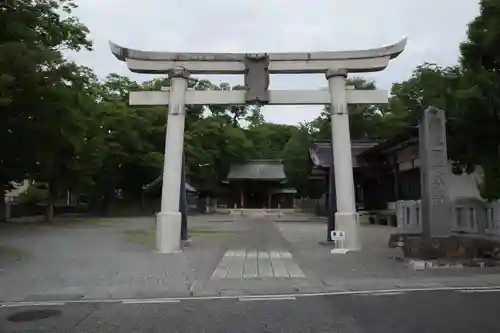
469,215
409,217
311,206
493,218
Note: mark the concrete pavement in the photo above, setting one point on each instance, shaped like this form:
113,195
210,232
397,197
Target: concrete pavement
404,311
102,259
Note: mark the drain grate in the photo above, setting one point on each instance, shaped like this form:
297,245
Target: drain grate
32,315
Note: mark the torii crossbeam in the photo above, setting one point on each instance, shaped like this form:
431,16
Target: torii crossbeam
257,68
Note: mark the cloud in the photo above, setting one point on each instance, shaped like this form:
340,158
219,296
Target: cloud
434,29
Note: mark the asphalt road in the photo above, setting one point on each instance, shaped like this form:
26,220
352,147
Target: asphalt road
411,311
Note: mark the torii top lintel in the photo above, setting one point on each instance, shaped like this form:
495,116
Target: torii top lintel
152,62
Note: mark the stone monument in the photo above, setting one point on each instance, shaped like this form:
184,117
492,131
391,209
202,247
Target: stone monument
436,208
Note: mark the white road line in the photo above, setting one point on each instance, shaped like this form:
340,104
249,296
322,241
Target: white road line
266,298
468,291
150,301
297,295
390,293
12,305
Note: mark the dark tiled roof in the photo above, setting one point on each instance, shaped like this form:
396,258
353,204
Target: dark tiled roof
321,153
258,170
408,135
157,183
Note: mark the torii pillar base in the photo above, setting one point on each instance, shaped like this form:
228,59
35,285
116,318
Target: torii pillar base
168,230
349,222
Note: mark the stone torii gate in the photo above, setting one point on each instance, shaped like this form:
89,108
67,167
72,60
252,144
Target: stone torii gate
256,68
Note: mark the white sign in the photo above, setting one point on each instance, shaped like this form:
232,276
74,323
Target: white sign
337,235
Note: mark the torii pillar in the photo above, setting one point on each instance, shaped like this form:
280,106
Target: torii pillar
168,225
346,217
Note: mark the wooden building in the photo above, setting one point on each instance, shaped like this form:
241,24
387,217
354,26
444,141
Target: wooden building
258,184
152,197
388,171
321,159
398,163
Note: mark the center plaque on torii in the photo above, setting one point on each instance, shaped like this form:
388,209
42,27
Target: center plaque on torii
256,68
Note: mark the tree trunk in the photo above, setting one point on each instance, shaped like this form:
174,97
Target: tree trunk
490,162
49,211
3,206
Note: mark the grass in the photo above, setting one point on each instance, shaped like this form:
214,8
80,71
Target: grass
11,253
100,222
207,233
149,236
140,236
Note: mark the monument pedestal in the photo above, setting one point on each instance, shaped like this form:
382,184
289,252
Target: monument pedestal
349,222
168,231
452,247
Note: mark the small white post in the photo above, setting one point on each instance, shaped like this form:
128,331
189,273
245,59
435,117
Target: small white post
346,217
168,222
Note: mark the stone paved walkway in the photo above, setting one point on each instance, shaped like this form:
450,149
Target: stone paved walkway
253,264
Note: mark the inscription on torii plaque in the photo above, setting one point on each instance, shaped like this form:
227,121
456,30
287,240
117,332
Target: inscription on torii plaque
257,79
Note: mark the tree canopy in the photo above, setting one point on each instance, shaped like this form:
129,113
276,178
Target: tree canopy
62,126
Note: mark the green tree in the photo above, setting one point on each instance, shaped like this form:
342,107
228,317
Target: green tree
478,118
297,163
59,134
212,144
269,139
429,85
255,118
36,81
131,143
365,121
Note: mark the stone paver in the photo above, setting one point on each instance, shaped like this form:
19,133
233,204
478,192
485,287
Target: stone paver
279,266
265,268
276,264
251,270
235,271
224,266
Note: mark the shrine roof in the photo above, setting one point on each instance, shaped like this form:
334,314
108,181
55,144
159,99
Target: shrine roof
157,183
400,140
321,153
258,170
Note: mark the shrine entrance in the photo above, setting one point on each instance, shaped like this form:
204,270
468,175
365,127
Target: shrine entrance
258,184
257,67
256,199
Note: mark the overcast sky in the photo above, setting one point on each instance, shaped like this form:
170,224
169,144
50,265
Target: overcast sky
434,29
